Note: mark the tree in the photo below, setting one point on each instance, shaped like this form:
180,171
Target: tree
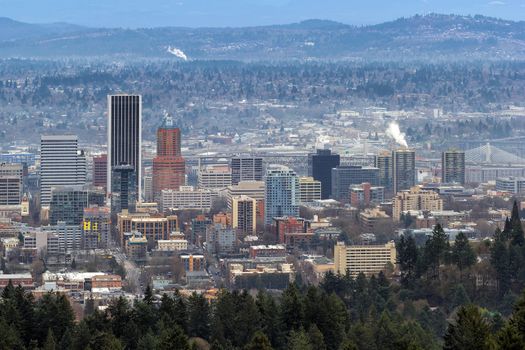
462,253
9,290
407,259
436,251
316,338
500,261
469,332
512,335
516,229
50,343
148,295
269,317
198,316
460,296
89,308
172,337
259,342
299,341
292,308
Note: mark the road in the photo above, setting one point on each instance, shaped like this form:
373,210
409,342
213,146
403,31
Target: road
132,272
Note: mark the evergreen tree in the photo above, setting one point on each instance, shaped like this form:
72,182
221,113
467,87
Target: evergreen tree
269,317
120,315
50,343
507,228
436,251
148,342
500,261
512,335
172,337
299,341
469,332
198,316
462,253
292,308
105,341
509,338
316,338
407,258
460,296
148,295
9,290
9,338
89,308
516,229
259,342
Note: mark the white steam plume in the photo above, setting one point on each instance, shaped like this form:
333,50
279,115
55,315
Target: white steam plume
177,52
394,132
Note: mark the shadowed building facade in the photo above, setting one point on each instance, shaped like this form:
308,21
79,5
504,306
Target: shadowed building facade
169,167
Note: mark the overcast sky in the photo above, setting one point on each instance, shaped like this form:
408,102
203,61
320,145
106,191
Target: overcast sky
221,13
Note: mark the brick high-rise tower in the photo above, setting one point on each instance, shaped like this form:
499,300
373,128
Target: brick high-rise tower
169,167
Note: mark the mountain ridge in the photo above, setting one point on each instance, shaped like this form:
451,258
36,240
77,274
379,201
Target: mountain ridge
435,36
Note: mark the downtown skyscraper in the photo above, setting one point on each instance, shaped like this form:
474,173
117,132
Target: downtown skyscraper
281,193
169,167
125,136
61,164
320,165
403,169
453,167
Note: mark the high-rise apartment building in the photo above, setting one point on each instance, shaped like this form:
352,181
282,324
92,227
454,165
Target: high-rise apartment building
453,167
11,184
244,215
281,193
320,165
344,177
246,169
309,189
125,137
96,225
68,203
252,189
61,164
383,161
403,169
100,171
169,167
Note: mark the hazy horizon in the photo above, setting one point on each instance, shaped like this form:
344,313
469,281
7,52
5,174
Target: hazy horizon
241,13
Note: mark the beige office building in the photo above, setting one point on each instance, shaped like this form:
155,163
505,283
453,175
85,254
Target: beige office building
368,259
415,199
309,189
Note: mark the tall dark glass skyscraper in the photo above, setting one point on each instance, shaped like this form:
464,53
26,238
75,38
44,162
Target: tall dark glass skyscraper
125,135
345,176
123,195
320,166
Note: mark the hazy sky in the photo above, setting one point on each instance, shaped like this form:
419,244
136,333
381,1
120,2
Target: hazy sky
198,13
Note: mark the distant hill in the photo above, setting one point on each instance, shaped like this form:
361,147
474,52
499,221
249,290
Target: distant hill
429,37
